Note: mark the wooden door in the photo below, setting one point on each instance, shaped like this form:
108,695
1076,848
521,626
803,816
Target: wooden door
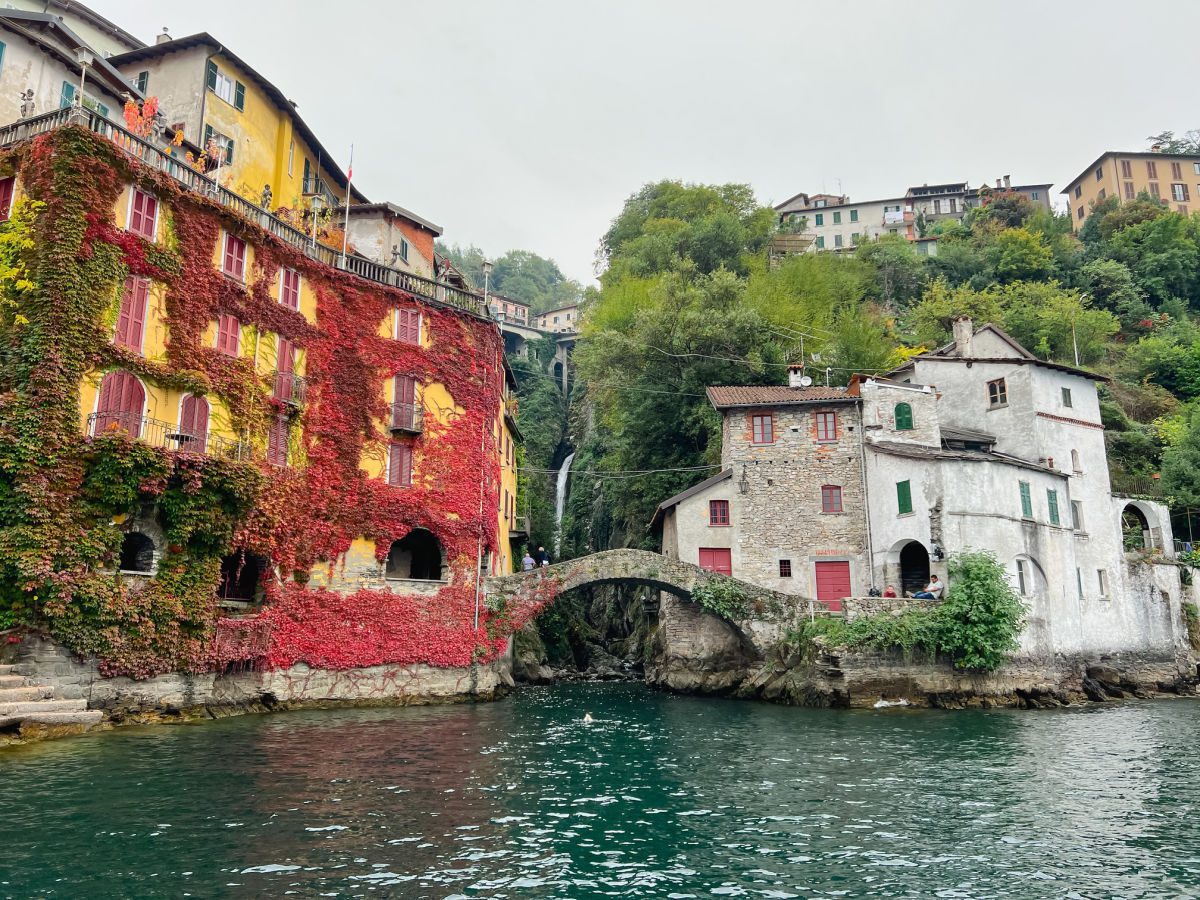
833,583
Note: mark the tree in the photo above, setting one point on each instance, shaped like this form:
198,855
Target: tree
1110,285
1018,254
518,274
1166,142
1181,466
900,272
1163,253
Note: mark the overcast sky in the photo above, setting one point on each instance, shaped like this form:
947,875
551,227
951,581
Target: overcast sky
526,123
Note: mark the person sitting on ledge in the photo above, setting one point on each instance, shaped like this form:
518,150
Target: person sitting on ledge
889,591
933,590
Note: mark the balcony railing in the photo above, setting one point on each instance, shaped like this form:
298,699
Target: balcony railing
166,435
407,417
193,181
1136,485
290,388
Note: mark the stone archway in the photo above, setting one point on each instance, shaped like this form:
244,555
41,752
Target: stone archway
1140,528
908,567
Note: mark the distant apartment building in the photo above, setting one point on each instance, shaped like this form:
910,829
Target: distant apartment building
558,321
836,223
1171,177
506,309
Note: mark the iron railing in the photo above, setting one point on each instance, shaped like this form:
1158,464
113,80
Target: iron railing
1136,485
290,388
166,435
195,182
407,417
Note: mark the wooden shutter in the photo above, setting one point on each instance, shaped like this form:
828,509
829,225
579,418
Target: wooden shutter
193,424
208,133
137,315
228,328
400,465
122,401
277,442
406,389
290,289
228,151
6,197
1026,501
1052,503
67,98
904,496
211,76
239,95
142,214
904,417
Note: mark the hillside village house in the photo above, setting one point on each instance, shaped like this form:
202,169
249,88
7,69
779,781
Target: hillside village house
563,320
393,236
1171,177
828,493
506,309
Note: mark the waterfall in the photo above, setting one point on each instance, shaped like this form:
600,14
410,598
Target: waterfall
560,502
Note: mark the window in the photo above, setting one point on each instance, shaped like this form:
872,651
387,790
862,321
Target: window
1102,580
1026,501
289,288
1176,170
131,316
819,219
821,243
718,512
821,203
1179,192
1066,397
404,403
904,497
837,240
762,429
831,498
193,424
854,237
716,559
1035,195
1075,466
228,334
1101,195
937,206
277,442
953,204
143,214
221,150
408,326
7,186
1130,193
1052,505
233,261
997,393
1078,190
1154,192
402,249
854,215
399,471
1196,168
1099,172
904,417
1022,578
121,404
68,98
226,88
1079,582
143,81
827,427
837,218
785,568
1151,168
1077,515
1126,169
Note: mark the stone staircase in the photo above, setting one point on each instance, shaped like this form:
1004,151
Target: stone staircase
32,710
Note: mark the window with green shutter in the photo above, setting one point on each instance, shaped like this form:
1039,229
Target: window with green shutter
2,48
837,218
143,81
1026,501
67,97
239,95
904,417
854,215
211,76
904,496
1052,503
819,218
821,243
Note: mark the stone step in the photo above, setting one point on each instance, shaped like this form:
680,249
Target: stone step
30,706
31,692
8,669
85,717
11,680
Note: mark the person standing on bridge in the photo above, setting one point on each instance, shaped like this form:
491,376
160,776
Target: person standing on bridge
541,557
527,562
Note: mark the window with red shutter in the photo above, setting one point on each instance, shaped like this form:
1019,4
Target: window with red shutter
277,442
718,512
228,334
1151,169
143,214
7,186
1176,171
131,316
831,498
234,261
193,424
289,289
827,429
716,559
1126,169
121,404
762,429
404,402
408,326
399,471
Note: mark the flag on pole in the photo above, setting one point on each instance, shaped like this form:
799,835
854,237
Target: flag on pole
346,225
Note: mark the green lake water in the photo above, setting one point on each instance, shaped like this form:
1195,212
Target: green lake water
662,796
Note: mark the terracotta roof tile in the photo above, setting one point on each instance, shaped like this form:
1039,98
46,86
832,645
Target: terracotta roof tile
773,395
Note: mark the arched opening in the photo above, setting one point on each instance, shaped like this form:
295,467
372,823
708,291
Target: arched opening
1139,528
914,567
241,576
904,417
558,371
417,556
192,436
121,404
1030,579
1075,466
137,554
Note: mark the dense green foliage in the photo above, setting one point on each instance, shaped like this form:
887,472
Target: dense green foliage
976,627
721,596
518,274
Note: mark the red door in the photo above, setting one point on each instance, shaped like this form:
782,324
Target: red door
716,559
833,583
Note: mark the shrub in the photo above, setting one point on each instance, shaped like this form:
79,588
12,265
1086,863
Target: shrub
721,596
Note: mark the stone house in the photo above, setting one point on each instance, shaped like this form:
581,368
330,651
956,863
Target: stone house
976,445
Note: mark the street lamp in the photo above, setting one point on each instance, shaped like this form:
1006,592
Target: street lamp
487,274
85,58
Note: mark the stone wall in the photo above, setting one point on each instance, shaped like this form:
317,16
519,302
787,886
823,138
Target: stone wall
217,694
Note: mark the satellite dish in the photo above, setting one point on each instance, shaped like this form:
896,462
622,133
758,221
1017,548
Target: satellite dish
805,381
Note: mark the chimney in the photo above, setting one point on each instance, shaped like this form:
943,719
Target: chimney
964,330
997,184
795,375
1008,181
164,37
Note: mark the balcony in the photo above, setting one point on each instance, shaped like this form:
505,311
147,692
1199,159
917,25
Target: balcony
407,418
290,388
194,182
166,436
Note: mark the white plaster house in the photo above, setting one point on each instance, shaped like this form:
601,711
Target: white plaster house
977,445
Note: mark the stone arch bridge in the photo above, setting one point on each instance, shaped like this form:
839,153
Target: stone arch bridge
690,630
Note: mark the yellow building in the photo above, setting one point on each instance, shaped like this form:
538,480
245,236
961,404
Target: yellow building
210,94
1173,178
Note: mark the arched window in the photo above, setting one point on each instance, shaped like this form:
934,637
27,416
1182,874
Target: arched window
417,555
904,417
137,553
193,424
121,405
1075,466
